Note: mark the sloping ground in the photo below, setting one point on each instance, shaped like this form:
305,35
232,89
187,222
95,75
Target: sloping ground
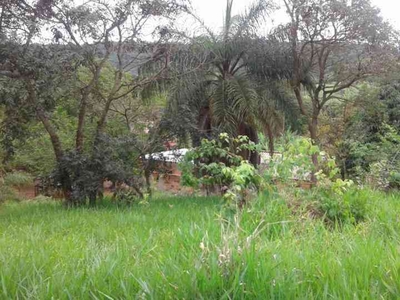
177,248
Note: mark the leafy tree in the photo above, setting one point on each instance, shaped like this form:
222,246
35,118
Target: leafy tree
33,151
333,44
87,37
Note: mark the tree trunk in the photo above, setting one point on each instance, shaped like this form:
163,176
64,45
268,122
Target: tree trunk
252,156
147,175
204,125
66,187
92,198
40,113
313,128
65,180
86,92
270,141
81,120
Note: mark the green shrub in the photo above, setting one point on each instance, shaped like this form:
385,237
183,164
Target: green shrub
376,161
394,180
219,164
349,207
17,179
294,160
126,197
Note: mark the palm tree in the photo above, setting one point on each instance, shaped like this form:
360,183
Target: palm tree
222,95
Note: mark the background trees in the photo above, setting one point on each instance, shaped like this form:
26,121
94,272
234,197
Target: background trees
77,67
107,84
333,45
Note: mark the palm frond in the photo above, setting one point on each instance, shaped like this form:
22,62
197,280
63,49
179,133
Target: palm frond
268,60
221,109
242,95
252,16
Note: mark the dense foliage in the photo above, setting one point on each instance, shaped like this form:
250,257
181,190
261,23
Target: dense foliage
84,94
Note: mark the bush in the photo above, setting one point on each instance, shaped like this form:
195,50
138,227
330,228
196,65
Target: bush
18,179
376,161
126,197
349,207
293,162
394,180
331,200
219,164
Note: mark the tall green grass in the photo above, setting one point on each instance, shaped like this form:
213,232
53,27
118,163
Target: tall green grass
192,248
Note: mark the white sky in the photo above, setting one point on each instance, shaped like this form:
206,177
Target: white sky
212,11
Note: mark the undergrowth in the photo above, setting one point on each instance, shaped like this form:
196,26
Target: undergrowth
194,248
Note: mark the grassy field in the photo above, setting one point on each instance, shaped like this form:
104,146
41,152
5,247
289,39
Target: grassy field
188,248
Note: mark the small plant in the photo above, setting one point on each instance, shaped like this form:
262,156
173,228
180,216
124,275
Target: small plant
347,207
219,164
293,162
335,199
245,181
328,177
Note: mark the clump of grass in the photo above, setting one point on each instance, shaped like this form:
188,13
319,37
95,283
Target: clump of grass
175,248
17,179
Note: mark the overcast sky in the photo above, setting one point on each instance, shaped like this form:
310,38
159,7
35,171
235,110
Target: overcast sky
211,11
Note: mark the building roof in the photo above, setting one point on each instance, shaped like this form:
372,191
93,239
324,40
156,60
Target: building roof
168,156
